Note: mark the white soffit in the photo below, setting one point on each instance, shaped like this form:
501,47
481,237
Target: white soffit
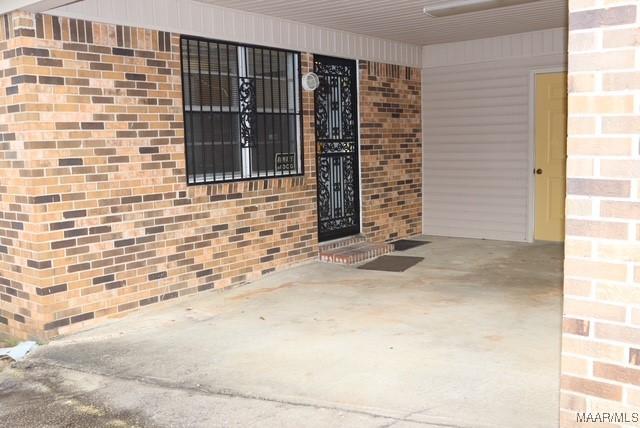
404,21
221,23
31,5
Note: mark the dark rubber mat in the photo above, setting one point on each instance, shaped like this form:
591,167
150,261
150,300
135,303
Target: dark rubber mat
392,263
407,244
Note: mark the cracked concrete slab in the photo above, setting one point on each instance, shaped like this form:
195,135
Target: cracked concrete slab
470,337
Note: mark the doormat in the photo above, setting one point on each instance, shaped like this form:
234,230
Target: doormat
392,263
407,244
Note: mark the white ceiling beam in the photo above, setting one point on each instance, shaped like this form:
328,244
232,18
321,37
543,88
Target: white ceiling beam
40,6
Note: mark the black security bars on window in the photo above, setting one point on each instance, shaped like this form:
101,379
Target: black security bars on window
242,111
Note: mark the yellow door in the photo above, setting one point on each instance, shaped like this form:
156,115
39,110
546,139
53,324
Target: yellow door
551,155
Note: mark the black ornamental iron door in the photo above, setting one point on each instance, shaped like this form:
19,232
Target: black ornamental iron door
336,126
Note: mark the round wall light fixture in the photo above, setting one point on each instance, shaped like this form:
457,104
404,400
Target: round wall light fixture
310,81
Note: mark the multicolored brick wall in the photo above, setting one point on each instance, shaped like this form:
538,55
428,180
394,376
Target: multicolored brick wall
601,327
390,151
97,219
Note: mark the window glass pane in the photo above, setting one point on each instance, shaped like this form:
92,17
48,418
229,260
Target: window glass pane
214,93
215,147
211,77
275,73
277,138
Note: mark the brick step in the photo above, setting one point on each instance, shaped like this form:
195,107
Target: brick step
354,253
342,242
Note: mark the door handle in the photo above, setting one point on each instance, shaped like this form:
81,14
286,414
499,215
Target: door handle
538,171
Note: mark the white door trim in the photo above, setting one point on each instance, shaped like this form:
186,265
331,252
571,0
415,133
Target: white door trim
359,140
531,208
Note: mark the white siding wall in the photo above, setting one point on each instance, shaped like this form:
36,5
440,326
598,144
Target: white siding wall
195,18
476,151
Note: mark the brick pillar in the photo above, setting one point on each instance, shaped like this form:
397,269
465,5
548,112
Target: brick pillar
390,151
23,273
601,326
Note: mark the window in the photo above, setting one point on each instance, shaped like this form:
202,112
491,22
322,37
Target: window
242,111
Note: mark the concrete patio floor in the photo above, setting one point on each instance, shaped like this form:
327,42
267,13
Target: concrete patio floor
470,337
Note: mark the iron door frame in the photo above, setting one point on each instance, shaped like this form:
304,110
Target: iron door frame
355,228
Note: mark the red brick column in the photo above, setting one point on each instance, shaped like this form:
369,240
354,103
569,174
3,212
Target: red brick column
601,327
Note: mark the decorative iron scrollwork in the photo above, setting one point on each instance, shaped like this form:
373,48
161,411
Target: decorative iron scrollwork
324,194
321,67
338,147
321,96
248,108
346,96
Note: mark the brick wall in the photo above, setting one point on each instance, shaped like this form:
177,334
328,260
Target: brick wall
94,156
97,219
390,151
601,327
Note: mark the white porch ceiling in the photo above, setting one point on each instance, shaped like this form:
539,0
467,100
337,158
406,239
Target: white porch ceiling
31,5
404,21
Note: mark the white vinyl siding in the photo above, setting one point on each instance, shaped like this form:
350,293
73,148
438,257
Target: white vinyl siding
476,153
